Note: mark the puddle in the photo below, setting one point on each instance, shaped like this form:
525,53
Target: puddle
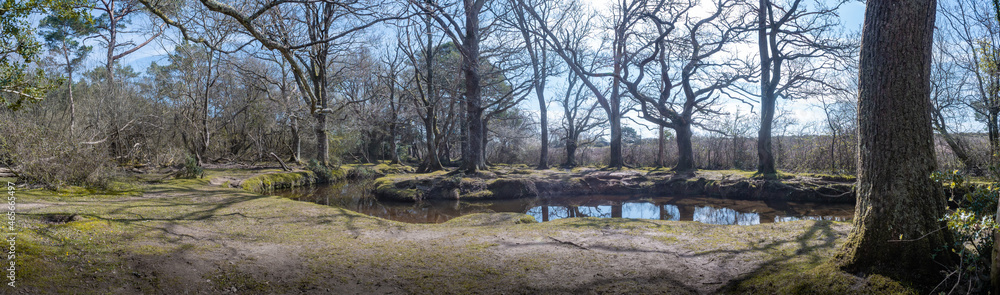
357,196
58,218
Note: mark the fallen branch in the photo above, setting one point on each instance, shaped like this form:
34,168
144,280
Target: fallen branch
283,167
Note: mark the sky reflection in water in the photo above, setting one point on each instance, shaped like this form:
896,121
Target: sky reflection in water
357,197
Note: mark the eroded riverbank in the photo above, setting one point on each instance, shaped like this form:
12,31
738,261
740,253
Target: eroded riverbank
512,183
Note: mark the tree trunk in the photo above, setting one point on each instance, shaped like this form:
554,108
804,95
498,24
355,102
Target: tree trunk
570,153
322,142
473,161
660,148
393,154
896,220
994,131
833,150
543,157
431,161
72,104
765,156
616,160
296,141
205,136
685,154
958,149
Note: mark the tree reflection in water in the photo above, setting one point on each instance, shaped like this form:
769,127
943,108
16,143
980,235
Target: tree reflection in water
356,196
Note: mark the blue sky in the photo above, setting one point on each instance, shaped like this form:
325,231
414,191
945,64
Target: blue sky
803,111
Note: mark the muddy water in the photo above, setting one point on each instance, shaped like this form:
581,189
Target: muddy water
356,196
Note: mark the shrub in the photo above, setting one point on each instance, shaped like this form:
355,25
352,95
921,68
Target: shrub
324,173
972,224
46,157
191,169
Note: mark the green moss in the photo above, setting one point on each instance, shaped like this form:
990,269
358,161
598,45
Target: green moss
729,172
269,182
114,188
478,195
386,188
822,278
832,177
233,280
527,219
491,219
385,168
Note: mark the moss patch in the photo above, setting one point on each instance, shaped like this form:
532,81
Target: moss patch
272,181
389,188
808,278
482,219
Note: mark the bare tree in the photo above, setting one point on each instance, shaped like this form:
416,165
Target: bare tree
541,66
801,34
64,36
697,46
557,41
467,35
973,25
579,116
391,78
427,101
115,15
950,89
277,25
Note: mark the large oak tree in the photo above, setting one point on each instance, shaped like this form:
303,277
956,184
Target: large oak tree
896,220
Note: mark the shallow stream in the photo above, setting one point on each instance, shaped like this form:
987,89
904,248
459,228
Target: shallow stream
357,196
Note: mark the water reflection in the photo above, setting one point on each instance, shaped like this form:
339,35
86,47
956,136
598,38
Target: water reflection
724,216
357,196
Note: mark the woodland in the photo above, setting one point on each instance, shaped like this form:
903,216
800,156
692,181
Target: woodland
173,124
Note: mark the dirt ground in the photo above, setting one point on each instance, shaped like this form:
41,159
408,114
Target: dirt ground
189,236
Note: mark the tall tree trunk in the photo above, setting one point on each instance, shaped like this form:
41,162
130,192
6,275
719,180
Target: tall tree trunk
205,136
296,141
322,142
896,219
431,161
616,160
72,104
444,152
543,157
570,153
393,154
660,143
994,131
833,150
486,138
685,154
765,156
473,161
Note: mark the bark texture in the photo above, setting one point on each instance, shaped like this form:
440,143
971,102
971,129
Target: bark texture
473,160
896,228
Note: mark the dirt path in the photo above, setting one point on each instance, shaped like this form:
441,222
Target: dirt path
188,236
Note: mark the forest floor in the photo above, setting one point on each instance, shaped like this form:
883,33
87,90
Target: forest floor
190,236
